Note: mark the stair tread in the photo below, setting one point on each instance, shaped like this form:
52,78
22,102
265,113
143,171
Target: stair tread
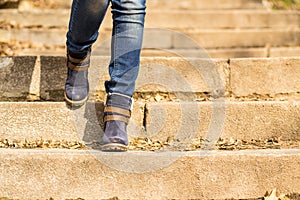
189,175
240,120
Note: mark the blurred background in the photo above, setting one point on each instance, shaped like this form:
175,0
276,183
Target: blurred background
223,28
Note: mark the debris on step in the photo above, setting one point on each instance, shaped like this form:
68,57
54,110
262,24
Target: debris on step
148,144
42,144
273,195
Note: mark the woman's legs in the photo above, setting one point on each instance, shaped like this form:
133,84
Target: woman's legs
128,27
86,17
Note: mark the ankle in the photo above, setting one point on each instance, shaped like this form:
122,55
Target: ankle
79,54
119,100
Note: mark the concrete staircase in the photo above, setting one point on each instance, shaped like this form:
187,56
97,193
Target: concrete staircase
224,29
45,137
222,128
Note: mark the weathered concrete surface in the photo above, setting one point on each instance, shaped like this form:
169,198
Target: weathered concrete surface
177,75
202,4
264,76
222,19
16,76
235,38
211,120
192,53
49,4
178,4
53,77
156,38
226,53
35,36
173,19
229,53
284,52
56,121
60,174
184,121
242,77
183,76
34,18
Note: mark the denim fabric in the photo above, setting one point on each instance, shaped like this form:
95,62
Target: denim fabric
128,26
120,101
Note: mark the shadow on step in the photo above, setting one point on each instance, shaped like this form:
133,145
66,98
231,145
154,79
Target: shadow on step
89,122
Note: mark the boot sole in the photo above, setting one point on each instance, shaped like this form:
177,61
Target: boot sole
114,147
75,103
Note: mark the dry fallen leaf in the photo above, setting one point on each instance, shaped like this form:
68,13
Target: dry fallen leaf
272,196
158,97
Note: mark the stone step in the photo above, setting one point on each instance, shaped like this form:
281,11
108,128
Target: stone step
17,75
239,78
169,4
72,174
224,119
229,38
258,52
205,5
170,39
168,19
183,121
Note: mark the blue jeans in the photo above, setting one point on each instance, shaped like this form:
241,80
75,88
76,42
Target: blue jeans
128,27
